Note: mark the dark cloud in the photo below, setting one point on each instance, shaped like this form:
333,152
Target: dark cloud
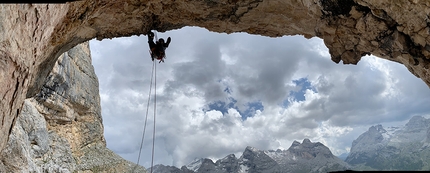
263,68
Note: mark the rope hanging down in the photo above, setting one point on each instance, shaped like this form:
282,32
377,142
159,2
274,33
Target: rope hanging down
155,110
159,48
153,75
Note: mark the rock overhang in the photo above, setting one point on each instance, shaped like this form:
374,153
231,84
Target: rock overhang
34,35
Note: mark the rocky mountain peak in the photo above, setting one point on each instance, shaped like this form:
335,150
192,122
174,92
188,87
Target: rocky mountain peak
206,165
377,129
301,157
306,140
229,163
195,164
165,169
255,160
309,150
371,136
398,148
381,148
231,158
251,149
417,123
365,144
295,144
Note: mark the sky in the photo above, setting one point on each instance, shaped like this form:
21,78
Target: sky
218,93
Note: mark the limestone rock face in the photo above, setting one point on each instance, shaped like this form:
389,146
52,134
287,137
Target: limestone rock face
33,36
60,129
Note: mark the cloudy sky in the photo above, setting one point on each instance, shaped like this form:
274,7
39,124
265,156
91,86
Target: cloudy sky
219,93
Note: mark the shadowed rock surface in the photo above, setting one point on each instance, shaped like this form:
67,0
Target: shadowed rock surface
60,129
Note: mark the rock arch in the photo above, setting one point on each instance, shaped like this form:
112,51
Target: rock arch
32,36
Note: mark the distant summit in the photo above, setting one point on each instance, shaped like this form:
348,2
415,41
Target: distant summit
300,157
379,148
393,148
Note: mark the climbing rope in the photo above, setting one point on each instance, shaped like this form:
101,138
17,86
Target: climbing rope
153,75
155,108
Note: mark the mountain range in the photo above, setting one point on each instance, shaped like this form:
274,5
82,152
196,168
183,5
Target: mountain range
393,148
379,148
300,157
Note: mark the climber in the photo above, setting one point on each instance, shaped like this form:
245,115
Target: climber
158,48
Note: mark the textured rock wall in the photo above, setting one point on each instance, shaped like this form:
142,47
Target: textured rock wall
32,36
60,128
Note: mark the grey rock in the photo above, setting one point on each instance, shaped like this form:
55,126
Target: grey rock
364,146
207,166
300,157
308,157
229,163
184,169
60,129
257,161
165,169
393,148
31,148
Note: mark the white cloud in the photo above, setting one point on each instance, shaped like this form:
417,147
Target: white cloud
200,66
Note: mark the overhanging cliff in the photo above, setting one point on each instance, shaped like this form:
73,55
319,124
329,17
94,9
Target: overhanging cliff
60,128
32,36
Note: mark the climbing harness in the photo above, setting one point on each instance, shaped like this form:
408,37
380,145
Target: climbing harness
153,75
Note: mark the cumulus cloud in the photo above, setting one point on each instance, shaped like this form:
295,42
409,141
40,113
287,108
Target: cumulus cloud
218,93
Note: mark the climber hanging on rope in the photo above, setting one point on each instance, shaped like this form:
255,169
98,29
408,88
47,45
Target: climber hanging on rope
157,49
